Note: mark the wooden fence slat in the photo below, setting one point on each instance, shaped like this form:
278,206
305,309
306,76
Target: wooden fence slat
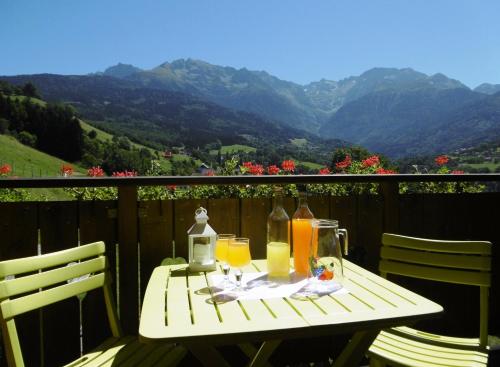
97,221
370,209
19,238
128,258
155,236
254,213
344,209
183,220
224,215
320,207
411,209
58,231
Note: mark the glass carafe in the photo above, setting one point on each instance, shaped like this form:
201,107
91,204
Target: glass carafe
301,235
325,261
278,239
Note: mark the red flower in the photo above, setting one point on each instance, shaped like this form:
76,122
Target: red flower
383,171
66,170
209,172
5,169
256,170
95,172
247,164
442,159
273,170
171,187
125,174
457,172
288,165
344,164
371,161
324,171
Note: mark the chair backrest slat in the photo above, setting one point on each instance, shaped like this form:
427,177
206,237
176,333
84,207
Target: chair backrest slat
433,273
33,263
458,247
459,262
17,306
13,287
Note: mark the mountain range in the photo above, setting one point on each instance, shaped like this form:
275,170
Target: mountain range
397,112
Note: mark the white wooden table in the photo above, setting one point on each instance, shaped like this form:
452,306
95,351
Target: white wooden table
178,307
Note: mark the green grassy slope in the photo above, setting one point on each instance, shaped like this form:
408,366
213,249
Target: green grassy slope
28,162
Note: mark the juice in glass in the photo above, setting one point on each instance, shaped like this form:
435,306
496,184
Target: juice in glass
238,254
221,247
278,259
302,233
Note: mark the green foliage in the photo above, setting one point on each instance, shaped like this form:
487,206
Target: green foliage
29,90
26,138
9,195
441,187
55,127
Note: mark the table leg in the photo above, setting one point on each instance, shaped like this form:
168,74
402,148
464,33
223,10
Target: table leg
355,350
207,355
266,349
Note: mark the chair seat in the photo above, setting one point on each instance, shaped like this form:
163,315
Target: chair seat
404,346
128,351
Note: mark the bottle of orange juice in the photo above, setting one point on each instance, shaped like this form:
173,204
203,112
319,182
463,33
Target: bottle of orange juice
302,232
278,239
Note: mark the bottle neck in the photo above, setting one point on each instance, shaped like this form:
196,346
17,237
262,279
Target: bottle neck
303,201
278,202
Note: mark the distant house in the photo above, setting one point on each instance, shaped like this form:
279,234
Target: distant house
205,170
167,154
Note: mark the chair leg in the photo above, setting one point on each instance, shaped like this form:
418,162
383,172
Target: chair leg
376,362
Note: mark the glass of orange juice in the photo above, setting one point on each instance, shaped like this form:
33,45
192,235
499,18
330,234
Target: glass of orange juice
221,251
238,256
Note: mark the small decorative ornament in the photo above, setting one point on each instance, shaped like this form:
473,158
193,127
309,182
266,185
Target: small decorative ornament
201,243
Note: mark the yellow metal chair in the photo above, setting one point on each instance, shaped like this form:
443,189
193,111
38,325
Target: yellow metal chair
459,262
19,294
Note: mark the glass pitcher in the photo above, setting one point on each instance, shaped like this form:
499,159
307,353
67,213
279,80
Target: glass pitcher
326,271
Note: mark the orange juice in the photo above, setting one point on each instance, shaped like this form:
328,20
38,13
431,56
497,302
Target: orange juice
278,259
238,254
221,247
302,232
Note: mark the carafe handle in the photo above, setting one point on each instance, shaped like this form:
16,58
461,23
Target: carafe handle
343,232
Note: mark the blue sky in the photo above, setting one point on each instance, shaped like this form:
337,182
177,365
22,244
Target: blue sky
296,40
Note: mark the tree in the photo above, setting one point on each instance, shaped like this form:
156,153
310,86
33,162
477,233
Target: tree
4,126
29,90
26,138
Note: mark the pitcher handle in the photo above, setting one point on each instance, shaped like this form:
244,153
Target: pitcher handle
343,232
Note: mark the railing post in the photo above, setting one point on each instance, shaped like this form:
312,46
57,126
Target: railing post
390,193
128,259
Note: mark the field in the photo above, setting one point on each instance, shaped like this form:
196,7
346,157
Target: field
232,149
310,165
493,167
299,142
28,162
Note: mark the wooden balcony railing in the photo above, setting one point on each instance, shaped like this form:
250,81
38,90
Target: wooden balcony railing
139,234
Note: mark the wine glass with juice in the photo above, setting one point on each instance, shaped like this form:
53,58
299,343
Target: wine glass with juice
221,252
238,256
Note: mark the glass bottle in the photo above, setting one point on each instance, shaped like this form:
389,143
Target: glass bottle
302,232
278,239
